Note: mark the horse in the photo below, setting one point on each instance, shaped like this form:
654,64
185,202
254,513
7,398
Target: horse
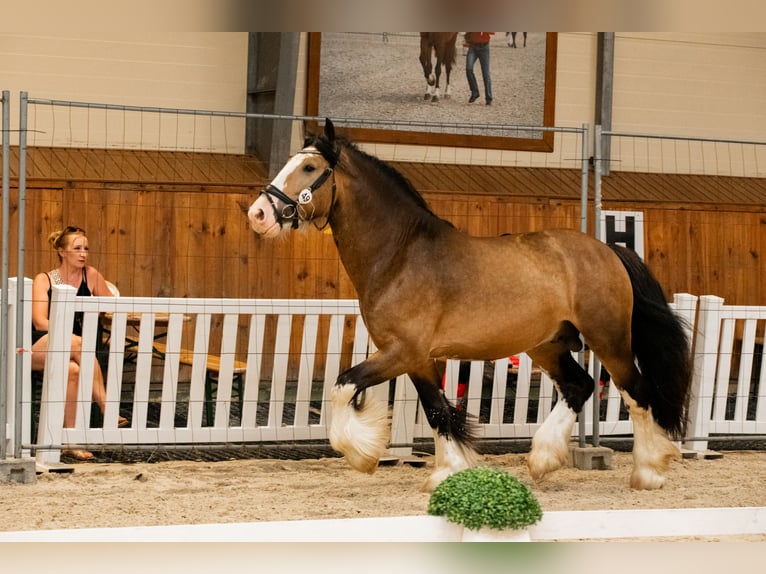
429,292
442,45
511,39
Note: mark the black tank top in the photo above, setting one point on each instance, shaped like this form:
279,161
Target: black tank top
82,291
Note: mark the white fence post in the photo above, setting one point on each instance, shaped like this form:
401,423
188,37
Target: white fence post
23,347
403,417
10,371
55,377
685,306
703,379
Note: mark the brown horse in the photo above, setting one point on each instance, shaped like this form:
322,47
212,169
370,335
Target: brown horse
511,38
429,292
441,45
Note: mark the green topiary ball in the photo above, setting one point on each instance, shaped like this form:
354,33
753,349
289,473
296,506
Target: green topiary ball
485,497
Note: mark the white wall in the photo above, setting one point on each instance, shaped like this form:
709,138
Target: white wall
702,85
695,85
708,85
184,70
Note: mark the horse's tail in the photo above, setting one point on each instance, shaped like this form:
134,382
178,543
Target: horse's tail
660,345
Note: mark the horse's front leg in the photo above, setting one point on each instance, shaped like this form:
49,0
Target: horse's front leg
359,427
452,432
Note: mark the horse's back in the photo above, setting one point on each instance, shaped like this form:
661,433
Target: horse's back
507,291
565,261
546,252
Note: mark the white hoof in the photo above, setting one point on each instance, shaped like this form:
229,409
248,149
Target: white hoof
550,445
451,457
542,461
646,479
652,451
361,435
435,478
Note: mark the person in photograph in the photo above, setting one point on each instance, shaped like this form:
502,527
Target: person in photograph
477,44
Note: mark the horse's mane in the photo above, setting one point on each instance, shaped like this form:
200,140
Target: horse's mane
331,151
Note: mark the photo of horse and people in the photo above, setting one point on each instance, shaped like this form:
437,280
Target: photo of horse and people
385,76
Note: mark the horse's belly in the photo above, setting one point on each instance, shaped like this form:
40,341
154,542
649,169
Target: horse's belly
485,342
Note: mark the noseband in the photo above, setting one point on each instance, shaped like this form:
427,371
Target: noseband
293,210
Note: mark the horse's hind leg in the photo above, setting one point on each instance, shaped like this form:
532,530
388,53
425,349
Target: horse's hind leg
447,72
652,449
550,445
425,62
437,90
452,434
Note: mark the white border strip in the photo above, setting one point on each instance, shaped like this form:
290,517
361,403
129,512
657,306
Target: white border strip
605,524
555,525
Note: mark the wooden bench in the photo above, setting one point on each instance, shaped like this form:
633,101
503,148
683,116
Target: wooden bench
212,372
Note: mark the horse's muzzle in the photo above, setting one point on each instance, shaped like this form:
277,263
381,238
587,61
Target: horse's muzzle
262,218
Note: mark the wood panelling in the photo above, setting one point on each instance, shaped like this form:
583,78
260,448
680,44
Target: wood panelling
190,237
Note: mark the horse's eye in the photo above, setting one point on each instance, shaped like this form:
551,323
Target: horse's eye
309,168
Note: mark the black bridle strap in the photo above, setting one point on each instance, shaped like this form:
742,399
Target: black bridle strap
272,191
276,192
321,179
329,211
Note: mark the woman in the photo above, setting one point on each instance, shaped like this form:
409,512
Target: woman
71,245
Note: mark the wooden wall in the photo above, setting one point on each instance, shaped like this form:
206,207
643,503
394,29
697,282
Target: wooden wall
194,241
699,249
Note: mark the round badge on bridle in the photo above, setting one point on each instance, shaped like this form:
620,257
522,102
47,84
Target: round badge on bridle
305,196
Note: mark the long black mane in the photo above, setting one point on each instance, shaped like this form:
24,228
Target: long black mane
331,151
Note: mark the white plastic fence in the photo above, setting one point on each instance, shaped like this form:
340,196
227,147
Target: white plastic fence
729,388
282,394
8,378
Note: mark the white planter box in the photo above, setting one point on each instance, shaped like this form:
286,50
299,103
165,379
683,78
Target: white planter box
555,525
495,535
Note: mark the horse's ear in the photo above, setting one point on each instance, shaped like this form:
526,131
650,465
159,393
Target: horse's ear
329,130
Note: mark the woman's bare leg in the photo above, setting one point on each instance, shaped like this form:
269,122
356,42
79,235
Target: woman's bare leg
98,393
40,348
99,388
73,385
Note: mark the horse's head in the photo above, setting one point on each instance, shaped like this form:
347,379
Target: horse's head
303,191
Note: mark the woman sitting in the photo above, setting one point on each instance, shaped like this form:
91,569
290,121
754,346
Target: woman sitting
71,245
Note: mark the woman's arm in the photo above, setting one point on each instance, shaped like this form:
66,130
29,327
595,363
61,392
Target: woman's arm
40,286
99,286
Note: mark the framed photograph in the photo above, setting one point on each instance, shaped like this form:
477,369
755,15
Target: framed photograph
374,78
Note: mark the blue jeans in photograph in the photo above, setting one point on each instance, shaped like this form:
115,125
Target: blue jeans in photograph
478,52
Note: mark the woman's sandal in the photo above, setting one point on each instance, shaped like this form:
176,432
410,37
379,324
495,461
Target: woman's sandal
78,454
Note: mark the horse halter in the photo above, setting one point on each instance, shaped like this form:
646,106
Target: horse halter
293,209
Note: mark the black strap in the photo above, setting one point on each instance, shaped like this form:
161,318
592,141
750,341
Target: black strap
276,192
321,179
272,192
